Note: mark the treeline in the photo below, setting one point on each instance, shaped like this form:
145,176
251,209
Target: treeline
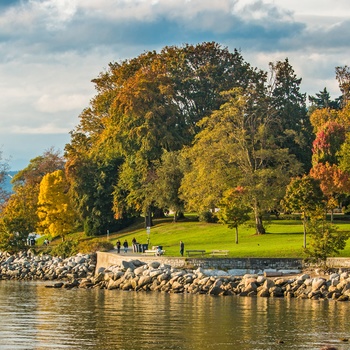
187,128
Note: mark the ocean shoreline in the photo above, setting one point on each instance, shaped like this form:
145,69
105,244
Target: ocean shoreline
136,275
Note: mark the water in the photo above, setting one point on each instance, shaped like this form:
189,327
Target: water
35,317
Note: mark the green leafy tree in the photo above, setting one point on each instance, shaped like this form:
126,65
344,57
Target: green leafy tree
325,239
169,174
303,195
232,209
238,137
91,186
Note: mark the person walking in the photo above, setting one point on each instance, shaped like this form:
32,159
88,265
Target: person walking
118,246
182,247
126,246
134,242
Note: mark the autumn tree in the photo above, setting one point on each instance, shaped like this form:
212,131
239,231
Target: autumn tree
327,143
19,213
320,117
327,146
334,183
151,104
56,214
303,195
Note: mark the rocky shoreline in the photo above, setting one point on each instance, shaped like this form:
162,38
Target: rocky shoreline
79,272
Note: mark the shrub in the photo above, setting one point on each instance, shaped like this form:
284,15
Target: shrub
65,249
208,216
94,245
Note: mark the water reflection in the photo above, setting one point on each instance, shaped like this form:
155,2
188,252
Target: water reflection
35,317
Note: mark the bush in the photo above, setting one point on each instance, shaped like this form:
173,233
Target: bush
94,245
208,216
65,249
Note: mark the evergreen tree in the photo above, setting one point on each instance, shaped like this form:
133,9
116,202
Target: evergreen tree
292,127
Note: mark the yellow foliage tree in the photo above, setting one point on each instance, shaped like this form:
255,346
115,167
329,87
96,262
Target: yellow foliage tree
320,117
56,214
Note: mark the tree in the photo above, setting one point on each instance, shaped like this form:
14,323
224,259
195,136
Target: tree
169,174
233,211
238,137
151,104
343,76
3,173
19,214
325,240
56,214
320,117
327,143
323,100
92,179
304,195
291,125
334,182
49,161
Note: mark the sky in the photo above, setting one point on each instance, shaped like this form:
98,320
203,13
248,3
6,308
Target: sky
50,50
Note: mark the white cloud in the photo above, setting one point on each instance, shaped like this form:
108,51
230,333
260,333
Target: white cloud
53,103
48,128
51,49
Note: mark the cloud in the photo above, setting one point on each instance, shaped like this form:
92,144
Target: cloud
52,103
51,49
48,128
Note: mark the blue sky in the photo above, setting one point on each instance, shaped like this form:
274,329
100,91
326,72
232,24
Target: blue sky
50,50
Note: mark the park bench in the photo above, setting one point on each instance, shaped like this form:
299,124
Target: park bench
153,252
195,252
219,252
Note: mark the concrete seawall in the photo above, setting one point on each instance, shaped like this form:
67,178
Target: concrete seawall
107,259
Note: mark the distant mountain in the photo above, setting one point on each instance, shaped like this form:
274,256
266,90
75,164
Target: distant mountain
7,184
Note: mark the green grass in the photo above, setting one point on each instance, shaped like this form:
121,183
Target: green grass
284,238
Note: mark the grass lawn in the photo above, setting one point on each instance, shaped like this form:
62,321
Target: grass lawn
284,238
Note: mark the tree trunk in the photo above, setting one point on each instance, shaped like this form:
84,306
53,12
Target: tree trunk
259,227
148,219
236,234
158,213
178,215
332,212
175,216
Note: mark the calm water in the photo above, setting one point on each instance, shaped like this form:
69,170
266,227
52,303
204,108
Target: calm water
35,317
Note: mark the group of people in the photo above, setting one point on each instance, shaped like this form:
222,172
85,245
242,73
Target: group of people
126,246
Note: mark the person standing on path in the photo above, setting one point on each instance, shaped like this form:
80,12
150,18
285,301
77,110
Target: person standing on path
182,247
118,246
126,246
